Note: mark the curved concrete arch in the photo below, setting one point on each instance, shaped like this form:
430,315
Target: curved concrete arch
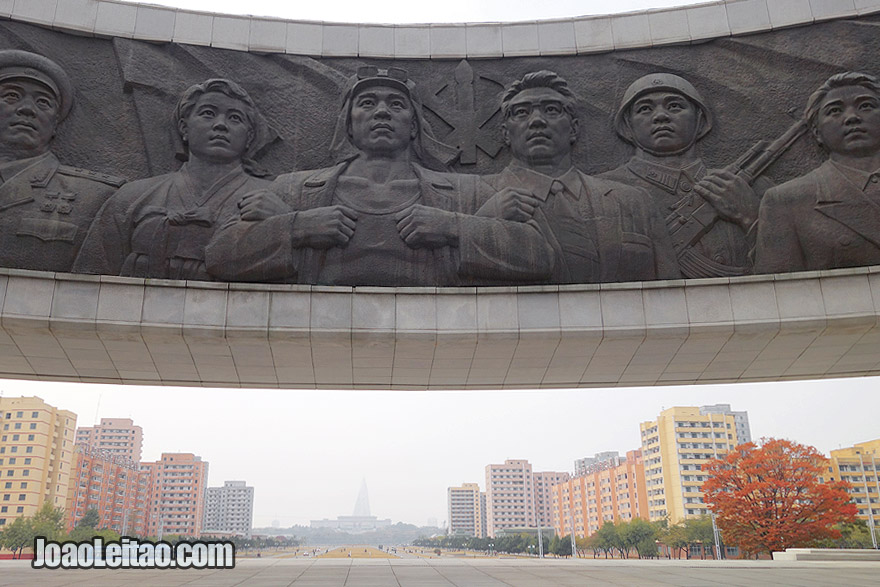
136,331
569,36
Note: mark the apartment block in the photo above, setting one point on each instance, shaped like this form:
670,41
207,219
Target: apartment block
860,465
230,509
110,484
36,456
740,419
178,485
118,436
467,510
610,488
674,448
517,497
544,482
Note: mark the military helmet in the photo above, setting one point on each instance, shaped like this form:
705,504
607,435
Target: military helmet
659,82
15,64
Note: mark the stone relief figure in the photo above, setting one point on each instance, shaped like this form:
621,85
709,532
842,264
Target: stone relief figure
382,216
710,215
830,217
45,207
159,226
600,230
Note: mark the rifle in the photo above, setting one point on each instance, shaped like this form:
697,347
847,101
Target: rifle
695,217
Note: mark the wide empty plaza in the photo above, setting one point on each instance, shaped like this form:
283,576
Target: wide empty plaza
466,573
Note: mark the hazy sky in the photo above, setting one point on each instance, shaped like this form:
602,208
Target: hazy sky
306,452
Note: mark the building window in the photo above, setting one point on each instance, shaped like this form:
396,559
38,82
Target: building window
22,496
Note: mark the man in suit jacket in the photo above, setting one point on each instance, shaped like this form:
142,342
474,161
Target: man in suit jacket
830,217
45,207
600,230
381,216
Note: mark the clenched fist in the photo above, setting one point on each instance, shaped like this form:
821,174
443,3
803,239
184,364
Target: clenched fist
323,228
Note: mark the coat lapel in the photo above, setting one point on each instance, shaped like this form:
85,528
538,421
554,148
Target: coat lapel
607,227
848,206
18,189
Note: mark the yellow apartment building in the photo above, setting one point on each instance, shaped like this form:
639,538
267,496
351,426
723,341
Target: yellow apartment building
467,510
859,465
674,447
36,456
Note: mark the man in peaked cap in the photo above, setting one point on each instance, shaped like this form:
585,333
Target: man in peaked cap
45,207
664,117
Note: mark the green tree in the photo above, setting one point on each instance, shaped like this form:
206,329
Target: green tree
699,531
640,536
90,519
17,536
676,538
607,539
49,522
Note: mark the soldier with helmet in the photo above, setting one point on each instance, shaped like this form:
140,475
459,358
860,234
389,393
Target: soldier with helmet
664,117
45,207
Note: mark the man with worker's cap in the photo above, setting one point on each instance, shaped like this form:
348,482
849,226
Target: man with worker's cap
45,207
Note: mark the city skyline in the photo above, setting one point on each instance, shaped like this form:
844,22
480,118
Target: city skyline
411,445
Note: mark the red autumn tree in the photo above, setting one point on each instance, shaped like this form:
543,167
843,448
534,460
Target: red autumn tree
769,498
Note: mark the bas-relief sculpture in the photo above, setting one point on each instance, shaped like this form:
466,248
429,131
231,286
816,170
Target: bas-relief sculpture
45,207
830,217
554,206
159,226
380,216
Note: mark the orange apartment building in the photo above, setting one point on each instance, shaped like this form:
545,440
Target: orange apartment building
36,456
112,485
118,436
178,486
609,489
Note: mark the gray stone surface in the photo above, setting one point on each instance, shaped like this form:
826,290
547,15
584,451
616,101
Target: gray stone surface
442,572
127,330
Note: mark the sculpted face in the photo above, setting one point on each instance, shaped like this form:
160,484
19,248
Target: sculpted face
538,129
217,129
664,122
382,120
28,117
849,121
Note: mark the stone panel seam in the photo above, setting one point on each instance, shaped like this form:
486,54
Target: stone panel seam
48,13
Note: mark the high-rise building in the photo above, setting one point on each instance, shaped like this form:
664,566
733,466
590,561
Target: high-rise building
467,512
110,484
517,497
36,456
119,436
585,464
230,509
544,482
674,448
610,489
178,484
740,419
860,465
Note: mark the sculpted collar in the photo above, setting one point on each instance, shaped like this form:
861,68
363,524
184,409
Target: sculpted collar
667,178
10,169
861,179
542,185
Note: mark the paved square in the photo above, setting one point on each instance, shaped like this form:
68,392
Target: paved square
268,572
